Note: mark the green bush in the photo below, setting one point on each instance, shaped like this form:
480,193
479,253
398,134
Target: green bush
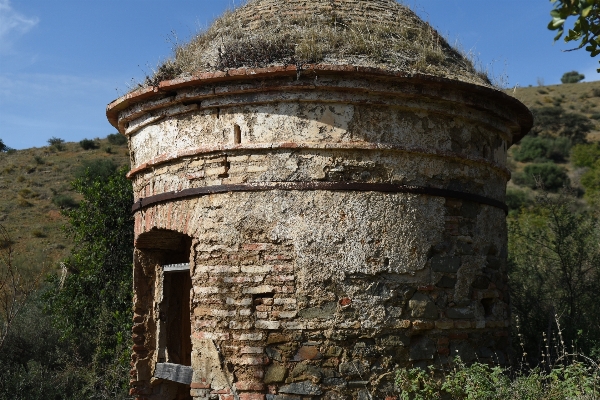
585,155
99,168
88,144
64,201
117,139
517,199
569,380
554,121
590,181
572,77
540,149
547,175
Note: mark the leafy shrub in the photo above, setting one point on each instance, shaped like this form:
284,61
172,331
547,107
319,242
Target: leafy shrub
595,116
517,199
540,149
117,139
554,269
550,176
572,77
21,202
38,233
585,155
88,144
39,159
64,201
554,121
57,143
483,382
96,169
590,180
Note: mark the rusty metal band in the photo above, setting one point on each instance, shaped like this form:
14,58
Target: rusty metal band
308,186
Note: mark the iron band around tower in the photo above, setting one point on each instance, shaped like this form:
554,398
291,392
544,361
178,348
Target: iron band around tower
313,186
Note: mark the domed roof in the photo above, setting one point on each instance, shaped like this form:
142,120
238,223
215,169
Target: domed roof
371,33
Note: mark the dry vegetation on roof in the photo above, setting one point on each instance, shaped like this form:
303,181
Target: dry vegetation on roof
294,33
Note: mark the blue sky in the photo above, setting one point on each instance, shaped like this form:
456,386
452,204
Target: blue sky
62,61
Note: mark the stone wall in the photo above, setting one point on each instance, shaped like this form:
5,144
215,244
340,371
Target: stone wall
320,294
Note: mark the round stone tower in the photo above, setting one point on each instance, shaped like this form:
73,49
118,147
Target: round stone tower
319,200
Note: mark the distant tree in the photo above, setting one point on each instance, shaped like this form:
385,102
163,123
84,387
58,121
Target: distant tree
572,77
586,29
57,143
3,147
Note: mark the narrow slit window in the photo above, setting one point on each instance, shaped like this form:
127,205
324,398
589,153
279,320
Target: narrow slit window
237,134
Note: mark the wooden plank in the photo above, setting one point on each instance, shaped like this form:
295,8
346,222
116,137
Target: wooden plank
174,373
176,267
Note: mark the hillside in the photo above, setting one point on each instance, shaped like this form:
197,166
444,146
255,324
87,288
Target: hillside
583,98
34,188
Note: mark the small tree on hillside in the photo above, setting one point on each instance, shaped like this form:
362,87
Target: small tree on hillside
91,306
572,77
15,286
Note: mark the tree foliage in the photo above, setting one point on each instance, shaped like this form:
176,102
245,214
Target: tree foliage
586,28
572,77
91,304
555,121
554,263
547,175
4,147
542,149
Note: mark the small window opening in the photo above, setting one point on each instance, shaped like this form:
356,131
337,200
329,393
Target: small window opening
218,113
237,134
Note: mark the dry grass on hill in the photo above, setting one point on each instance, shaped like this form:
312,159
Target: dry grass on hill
34,186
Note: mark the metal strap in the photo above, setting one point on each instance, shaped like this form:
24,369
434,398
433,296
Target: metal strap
308,186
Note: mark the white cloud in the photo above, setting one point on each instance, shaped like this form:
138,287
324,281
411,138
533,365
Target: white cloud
13,24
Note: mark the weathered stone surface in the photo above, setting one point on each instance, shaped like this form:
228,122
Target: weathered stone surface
446,282
354,368
325,312
422,348
421,306
275,373
303,388
445,264
460,313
